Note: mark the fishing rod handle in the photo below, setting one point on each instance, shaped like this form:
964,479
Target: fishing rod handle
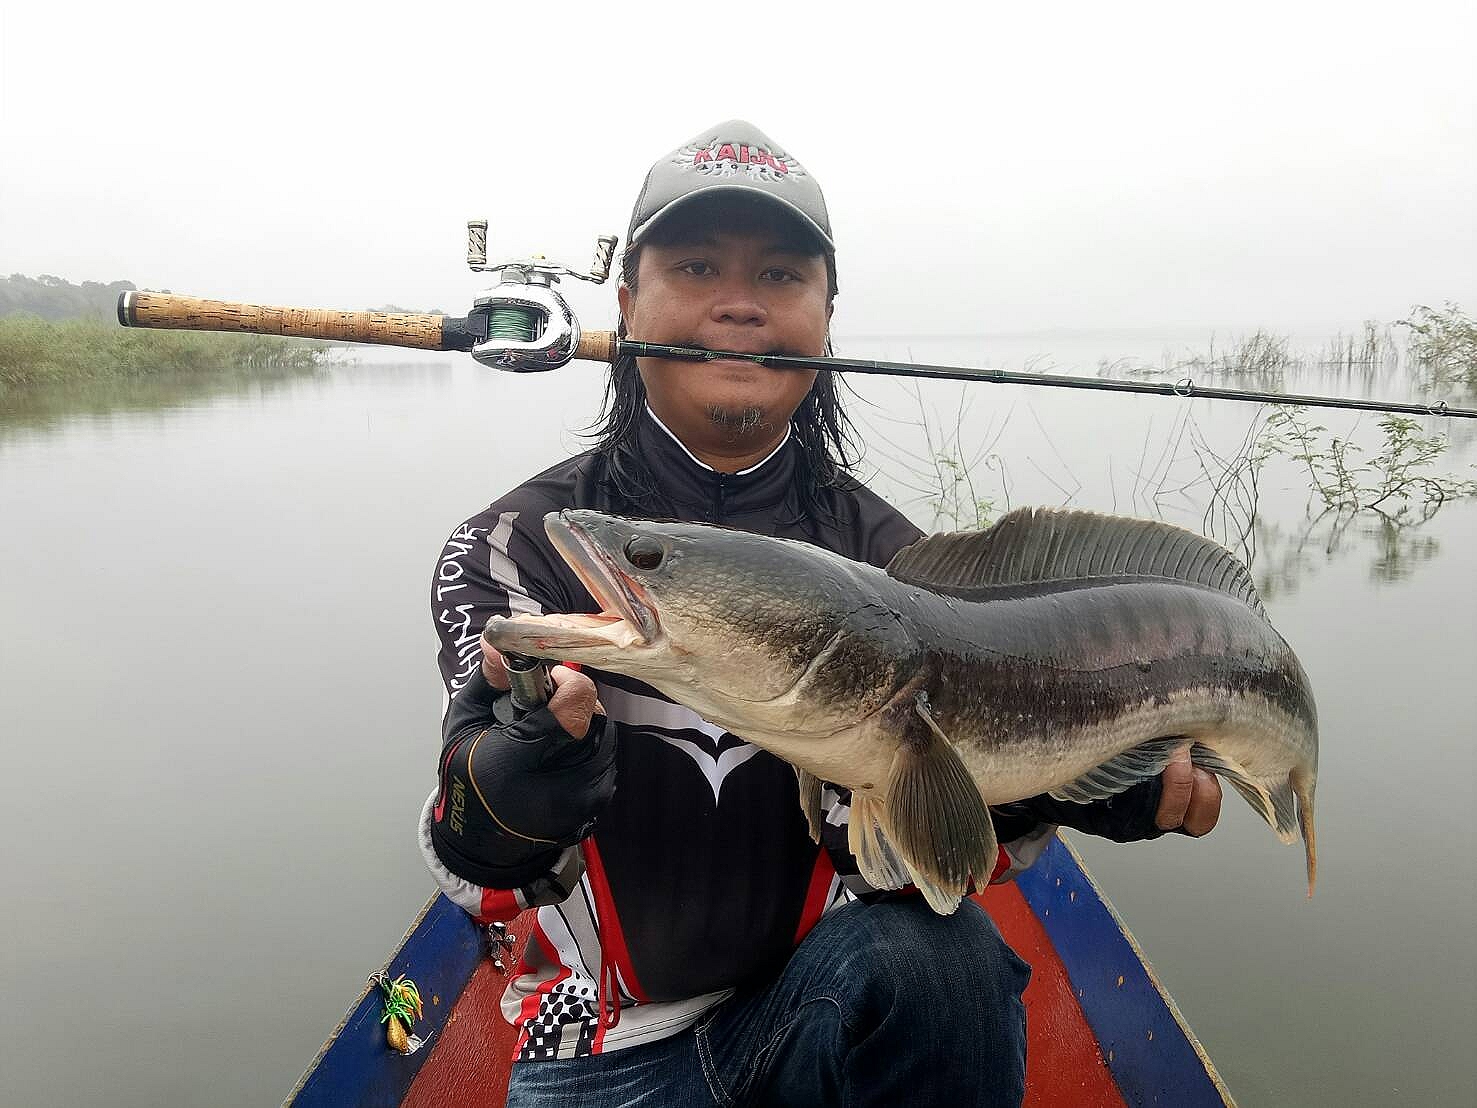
189,313
596,346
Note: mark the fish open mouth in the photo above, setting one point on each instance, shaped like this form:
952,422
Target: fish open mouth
627,616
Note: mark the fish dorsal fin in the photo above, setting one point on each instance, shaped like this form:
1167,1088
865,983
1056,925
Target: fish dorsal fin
1044,545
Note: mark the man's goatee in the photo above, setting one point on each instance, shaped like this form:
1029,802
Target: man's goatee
737,422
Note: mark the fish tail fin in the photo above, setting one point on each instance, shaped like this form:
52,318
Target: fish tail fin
1272,800
1286,804
1302,783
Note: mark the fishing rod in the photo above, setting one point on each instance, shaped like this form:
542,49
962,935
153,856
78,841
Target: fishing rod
524,325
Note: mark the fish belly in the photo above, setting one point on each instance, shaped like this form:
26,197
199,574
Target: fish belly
1243,727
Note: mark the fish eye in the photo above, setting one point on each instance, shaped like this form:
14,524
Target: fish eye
644,552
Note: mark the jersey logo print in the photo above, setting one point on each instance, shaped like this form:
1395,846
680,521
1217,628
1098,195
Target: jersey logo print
714,769
716,754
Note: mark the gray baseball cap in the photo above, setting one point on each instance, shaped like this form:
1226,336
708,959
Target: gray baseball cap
734,157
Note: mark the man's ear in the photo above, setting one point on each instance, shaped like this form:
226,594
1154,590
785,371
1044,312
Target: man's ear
623,300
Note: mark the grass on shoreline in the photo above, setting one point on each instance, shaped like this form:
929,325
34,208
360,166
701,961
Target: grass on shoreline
36,353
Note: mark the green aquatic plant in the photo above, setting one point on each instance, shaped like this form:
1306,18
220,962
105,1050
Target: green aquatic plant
1442,346
1261,354
956,500
949,474
1384,493
1398,481
1372,350
36,353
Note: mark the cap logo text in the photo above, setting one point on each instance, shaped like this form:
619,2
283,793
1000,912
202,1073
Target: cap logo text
727,159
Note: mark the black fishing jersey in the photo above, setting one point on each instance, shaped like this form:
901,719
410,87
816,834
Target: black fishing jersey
701,873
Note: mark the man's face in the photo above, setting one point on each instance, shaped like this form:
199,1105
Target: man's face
748,291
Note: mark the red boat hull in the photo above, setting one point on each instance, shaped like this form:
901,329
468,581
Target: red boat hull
1101,1031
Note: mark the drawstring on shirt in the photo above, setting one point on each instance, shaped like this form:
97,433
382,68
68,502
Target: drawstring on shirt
609,984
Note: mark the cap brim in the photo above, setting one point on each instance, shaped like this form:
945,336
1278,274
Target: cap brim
641,230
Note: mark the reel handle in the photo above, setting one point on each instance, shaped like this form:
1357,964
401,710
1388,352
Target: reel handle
528,681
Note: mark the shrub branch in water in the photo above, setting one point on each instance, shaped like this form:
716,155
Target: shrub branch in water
1396,482
1442,345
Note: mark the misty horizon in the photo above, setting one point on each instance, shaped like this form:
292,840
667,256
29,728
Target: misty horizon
1295,167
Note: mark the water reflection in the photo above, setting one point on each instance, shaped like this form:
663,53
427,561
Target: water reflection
1286,555
51,408
43,409
264,562
1287,494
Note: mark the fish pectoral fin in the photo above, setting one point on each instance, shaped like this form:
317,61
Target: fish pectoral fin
810,802
876,860
935,816
1123,771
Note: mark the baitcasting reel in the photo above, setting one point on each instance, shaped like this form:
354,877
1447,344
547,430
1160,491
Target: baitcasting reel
522,323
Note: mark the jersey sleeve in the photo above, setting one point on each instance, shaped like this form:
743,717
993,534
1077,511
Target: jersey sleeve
495,563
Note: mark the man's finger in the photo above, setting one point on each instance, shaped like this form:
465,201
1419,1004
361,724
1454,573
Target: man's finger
1204,808
573,702
1177,786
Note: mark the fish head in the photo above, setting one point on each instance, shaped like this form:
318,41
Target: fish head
717,618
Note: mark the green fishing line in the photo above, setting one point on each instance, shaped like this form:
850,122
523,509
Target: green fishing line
518,324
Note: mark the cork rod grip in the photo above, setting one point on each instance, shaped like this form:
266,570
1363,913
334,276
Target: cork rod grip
187,313
596,346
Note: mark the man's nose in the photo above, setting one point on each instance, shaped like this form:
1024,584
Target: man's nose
738,302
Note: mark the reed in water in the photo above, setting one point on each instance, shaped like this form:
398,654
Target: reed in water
36,353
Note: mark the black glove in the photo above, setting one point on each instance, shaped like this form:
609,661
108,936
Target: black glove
516,792
1127,817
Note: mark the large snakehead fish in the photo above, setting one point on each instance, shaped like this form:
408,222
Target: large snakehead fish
1060,652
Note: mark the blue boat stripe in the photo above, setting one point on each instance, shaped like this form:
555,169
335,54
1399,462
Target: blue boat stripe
1153,1055
356,1065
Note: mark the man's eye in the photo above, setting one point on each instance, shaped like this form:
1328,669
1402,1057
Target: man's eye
777,274
697,269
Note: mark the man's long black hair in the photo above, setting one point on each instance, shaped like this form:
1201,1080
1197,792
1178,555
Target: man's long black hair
824,435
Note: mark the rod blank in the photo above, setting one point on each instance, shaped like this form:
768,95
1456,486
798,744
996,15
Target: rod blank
1185,388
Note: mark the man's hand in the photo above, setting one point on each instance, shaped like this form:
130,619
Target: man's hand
517,792
1191,798
573,702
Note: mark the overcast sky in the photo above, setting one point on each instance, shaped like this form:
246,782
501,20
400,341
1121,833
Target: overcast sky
1302,166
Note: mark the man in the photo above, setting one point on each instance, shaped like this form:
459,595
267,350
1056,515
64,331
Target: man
692,944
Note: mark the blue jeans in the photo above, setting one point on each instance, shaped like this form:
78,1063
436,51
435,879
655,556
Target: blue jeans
882,1004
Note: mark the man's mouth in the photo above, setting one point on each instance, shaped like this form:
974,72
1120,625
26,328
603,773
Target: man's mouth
732,353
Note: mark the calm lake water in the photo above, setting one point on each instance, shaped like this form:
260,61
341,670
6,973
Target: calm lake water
219,717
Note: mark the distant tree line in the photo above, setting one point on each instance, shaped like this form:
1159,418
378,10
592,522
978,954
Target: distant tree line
54,298
49,297
394,309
